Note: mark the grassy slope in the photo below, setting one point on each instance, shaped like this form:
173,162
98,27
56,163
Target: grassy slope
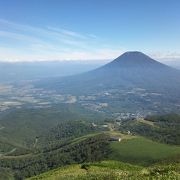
111,170
132,149
141,151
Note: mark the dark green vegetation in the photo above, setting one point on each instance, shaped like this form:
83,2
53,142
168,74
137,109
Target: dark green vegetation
165,128
22,127
6,174
35,141
91,149
63,133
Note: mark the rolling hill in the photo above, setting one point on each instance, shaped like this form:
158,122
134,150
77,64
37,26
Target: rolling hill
133,158
111,170
79,141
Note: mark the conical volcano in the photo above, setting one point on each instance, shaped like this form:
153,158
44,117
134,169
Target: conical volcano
130,70
134,59
133,82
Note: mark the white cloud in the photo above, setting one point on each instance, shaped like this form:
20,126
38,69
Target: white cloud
67,33
17,36
165,55
30,43
65,54
48,35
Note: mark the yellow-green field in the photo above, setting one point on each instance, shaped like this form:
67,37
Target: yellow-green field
141,154
111,170
142,151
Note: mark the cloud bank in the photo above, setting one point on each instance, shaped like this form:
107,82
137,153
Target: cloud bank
20,42
28,43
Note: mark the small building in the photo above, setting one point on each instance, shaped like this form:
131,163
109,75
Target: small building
115,139
105,126
94,125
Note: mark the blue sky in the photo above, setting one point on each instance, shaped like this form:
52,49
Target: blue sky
88,29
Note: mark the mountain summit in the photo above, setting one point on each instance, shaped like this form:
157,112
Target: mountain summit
134,59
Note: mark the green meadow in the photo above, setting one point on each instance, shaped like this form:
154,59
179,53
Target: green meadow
142,151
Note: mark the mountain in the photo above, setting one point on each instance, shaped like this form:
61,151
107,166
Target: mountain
134,59
130,70
133,82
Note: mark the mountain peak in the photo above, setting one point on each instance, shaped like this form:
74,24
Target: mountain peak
133,53
134,59
134,56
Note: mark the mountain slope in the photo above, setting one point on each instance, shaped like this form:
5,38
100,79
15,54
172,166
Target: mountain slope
134,59
111,170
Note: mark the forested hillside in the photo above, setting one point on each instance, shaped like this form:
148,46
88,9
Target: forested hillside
78,140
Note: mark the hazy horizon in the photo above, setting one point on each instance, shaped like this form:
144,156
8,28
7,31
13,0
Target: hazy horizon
87,30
